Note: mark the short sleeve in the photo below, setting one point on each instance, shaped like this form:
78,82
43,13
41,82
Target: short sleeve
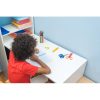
30,69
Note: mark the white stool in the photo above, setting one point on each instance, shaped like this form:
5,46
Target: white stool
39,79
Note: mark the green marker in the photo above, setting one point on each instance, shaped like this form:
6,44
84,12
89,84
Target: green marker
41,37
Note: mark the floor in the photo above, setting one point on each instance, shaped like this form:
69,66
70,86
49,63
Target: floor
2,78
85,80
82,80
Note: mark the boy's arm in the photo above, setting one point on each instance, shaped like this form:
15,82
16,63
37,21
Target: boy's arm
44,69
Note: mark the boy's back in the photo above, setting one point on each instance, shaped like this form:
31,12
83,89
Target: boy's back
20,71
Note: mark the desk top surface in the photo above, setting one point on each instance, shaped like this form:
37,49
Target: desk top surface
61,67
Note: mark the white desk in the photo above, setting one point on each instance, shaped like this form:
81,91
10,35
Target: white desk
62,69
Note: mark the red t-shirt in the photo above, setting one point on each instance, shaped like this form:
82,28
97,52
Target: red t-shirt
20,71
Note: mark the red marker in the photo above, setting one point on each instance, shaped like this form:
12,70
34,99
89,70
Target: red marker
69,56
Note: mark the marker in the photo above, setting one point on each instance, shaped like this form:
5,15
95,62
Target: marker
69,56
41,37
61,55
55,49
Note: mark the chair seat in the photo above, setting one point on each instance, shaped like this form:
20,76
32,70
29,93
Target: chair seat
39,79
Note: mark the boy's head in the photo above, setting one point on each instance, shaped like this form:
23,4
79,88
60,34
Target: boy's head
23,46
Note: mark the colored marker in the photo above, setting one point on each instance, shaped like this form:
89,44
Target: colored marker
69,56
55,49
41,37
61,55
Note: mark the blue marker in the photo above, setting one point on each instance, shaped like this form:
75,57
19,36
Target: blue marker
61,55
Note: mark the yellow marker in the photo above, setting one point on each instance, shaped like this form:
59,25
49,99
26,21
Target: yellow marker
55,49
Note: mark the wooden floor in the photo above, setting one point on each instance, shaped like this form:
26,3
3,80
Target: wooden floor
82,80
2,78
85,80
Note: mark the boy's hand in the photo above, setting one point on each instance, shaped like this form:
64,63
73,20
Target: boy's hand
34,58
36,50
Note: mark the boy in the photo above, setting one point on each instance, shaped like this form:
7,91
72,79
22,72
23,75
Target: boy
19,71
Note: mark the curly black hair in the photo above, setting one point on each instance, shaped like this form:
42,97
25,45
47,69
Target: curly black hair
23,46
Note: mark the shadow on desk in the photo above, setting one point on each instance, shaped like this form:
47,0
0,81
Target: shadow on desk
49,81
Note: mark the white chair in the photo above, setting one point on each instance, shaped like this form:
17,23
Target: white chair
39,79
